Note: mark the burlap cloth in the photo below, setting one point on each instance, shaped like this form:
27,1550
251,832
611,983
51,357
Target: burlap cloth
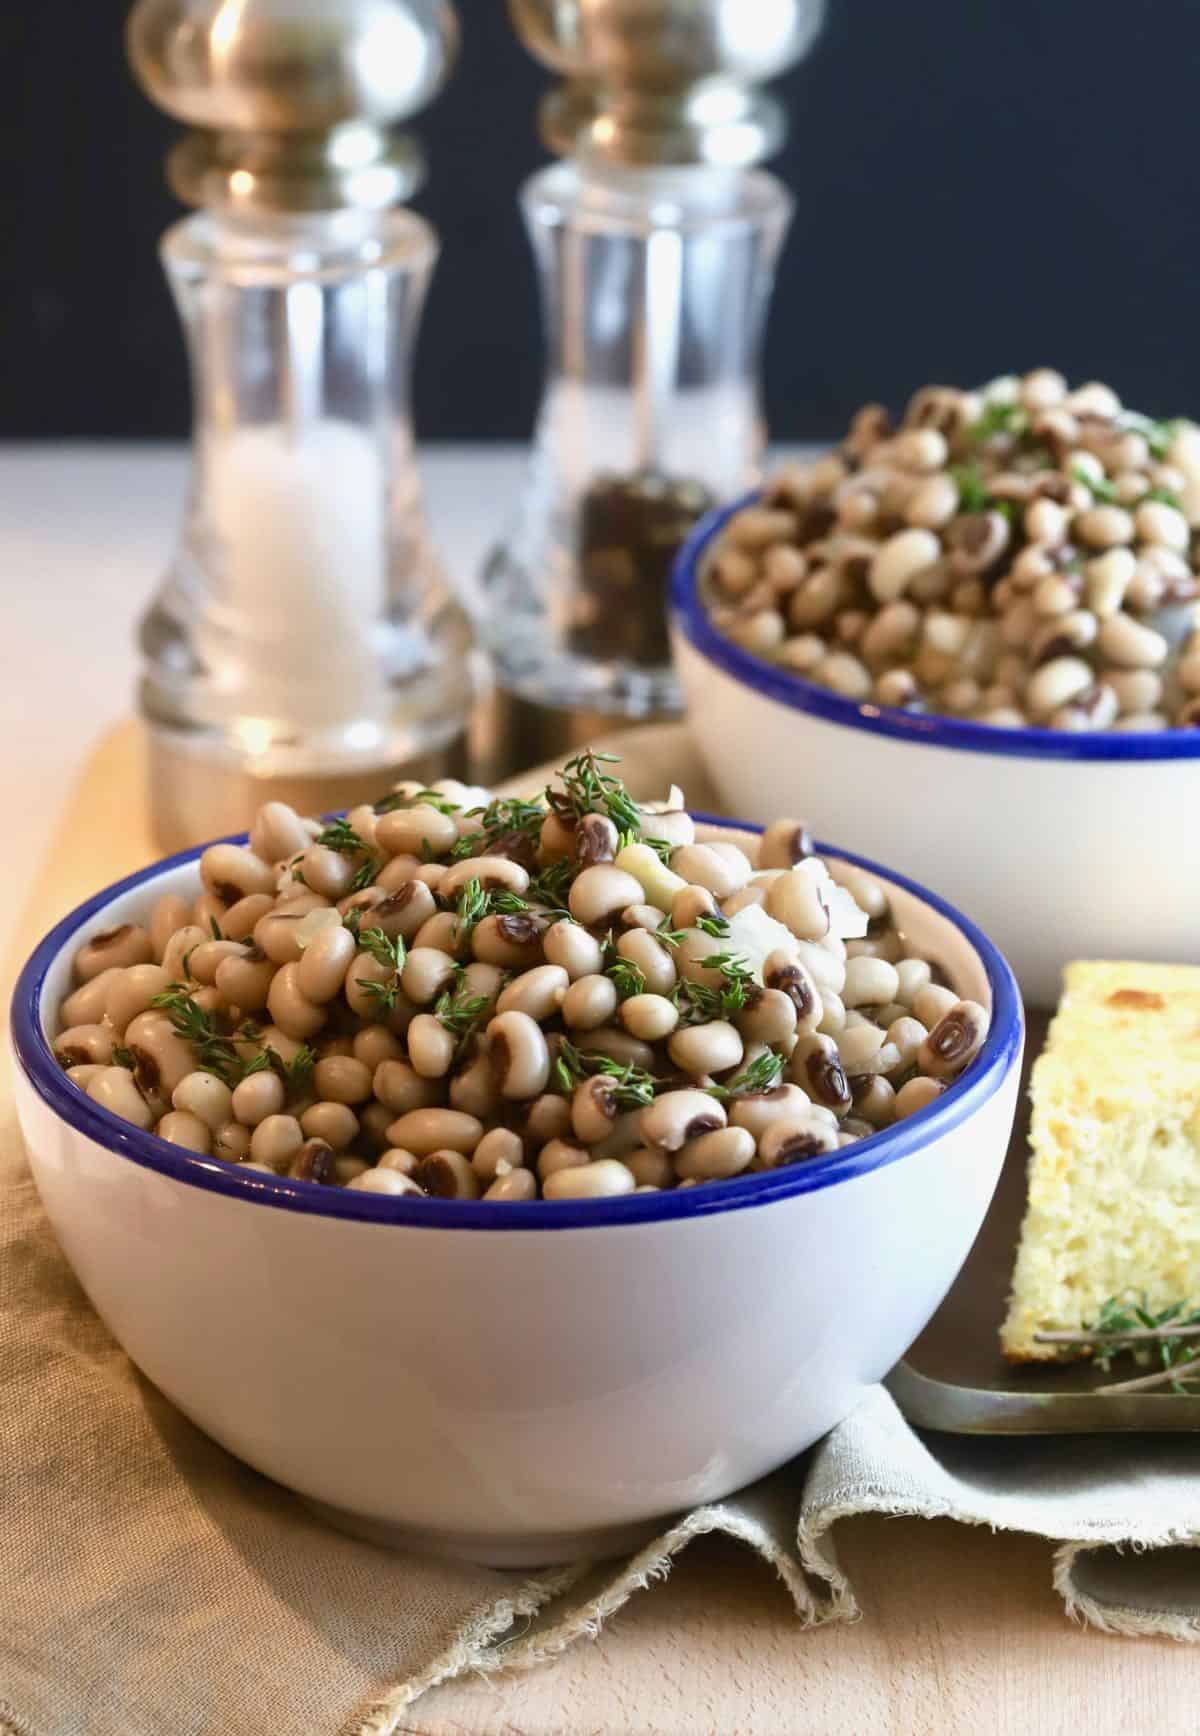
153,1586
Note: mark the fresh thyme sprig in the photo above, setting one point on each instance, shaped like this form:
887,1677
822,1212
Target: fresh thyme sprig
763,1074
122,1057
1128,1327
214,1051
215,928
395,799
588,790
460,1014
1164,496
552,886
1101,487
1000,419
296,1073
627,978
389,952
717,926
340,835
507,814
632,1087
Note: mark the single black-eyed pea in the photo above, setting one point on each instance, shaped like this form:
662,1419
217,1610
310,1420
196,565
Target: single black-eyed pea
603,1179
206,1097
375,1043
427,1130
769,1016
123,946
207,913
346,1168
715,1156
276,1140
494,873
512,941
500,1150
418,831
81,1044
570,945
623,1136
784,843
650,1167
617,1045
722,870
276,935
794,1139
916,1094
315,1161
342,1079
556,839
547,1117
816,1067
516,1184
913,974
271,1037
403,1162
589,1002
398,872
169,914
245,980
906,1034
559,1154
256,1097
538,992
180,1127
651,957
322,965
241,919
374,1120
297,900
648,1017
677,1116
473,1088
711,1048
84,1072
290,1008
403,912
647,916
431,1046
385,1181
231,1141
789,977
954,1040
518,1055
440,932
203,963
88,1004
874,1099
335,1123
762,1109
932,1002
231,872
690,904
397,1084
599,894
594,1110
278,833
115,1089
796,900
870,981
161,1055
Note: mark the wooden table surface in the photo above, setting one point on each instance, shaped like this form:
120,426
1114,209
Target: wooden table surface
961,1629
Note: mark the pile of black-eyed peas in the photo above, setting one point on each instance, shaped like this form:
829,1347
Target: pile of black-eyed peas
569,997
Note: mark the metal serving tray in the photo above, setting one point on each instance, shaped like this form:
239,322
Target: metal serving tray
955,1378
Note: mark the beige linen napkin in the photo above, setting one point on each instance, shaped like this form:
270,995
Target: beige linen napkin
150,1584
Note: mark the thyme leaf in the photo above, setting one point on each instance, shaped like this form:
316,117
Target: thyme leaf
763,1074
214,1051
632,1087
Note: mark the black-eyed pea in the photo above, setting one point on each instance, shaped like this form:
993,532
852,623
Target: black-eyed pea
162,1057
84,1072
403,1162
335,1123
209,999
426,1130
361,904
431,1046
81,1044
547,1117
623,1136
1104,527
594,1110
649,1017
290,1009
518,1055
906,1034
258,1097
616,1045
887,1015
115,1089
678,1116
278,832
795,899
88,1004
398,872
375,1043
647,916
932,1002
315,1161
917,1094
783,844
794,1139
373,1121
494,873
769,1016
874,1099
231,872
321,968
427,972
277,936
833,1014
790,977
473,1089
599,894
604,1179
589,1002
650,1167
346,1168
579,953
170,913
558,1154
397,1084
385,1181
125,945
710,1048
913,974
202,965
244,979
421,831
515,1184
207,913
596,840
405,912
870,982
440,932
204,1096
179,949
231,1141
511,941
241,919
816,1066
275,1141
539,992
179,1127
342,1079
718,870
690,904
954,1041
327,872
447,1175
863,1049
296,899
716,1156
652,958
501,1149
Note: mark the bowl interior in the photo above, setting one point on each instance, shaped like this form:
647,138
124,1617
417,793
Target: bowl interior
972,964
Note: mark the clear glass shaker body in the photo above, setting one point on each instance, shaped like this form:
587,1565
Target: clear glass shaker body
655,285
304,635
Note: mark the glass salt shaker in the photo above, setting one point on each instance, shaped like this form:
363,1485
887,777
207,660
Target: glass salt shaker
304,645
656,241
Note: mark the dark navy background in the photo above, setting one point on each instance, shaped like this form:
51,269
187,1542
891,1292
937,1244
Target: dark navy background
980,185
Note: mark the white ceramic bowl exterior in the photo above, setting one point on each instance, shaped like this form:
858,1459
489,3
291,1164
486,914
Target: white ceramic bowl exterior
527,1383
1061,846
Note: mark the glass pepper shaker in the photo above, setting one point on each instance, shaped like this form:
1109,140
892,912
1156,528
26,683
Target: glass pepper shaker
303,645
655,240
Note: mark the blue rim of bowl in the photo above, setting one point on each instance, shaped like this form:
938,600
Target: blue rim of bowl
781,685
981,1080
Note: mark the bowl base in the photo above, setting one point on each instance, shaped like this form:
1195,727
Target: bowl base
521,1549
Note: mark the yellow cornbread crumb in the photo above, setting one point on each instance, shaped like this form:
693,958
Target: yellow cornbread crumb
1114,1171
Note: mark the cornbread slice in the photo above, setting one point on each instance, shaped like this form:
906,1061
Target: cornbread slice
1114,1175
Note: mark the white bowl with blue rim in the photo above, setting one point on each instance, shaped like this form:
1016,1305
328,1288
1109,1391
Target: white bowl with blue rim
1061,845
515,1383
